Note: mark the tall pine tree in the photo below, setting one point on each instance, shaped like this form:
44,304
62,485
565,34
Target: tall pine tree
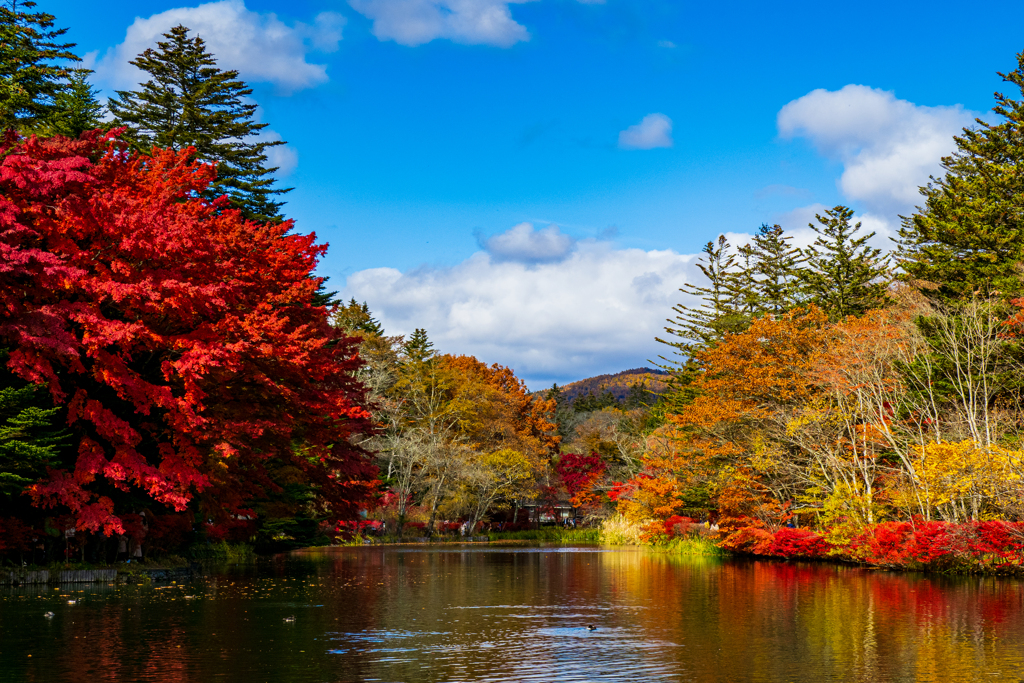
844,276
190,102
776,270
76,108
355,318
34,66
719,310
418,347
968,238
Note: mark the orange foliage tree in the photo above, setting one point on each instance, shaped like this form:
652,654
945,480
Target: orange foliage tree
742,385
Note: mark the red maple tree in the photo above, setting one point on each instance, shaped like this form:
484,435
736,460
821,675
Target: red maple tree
182,339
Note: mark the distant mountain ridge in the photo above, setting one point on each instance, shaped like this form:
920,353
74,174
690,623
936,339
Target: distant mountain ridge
618,384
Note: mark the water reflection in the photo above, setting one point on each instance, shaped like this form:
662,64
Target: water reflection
493,614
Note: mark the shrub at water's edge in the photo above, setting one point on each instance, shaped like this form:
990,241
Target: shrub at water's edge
618,530
689,545
231,553
553,535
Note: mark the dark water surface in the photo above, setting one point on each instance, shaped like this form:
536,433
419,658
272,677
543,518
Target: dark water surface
519,614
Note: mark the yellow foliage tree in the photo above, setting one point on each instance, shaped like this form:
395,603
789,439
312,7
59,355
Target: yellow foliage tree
966,481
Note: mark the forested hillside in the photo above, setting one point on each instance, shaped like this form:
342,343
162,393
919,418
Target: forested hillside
618,384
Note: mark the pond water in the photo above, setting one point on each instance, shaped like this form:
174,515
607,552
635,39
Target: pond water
485,613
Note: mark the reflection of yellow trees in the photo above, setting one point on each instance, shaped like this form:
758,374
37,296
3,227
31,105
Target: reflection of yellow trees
774,621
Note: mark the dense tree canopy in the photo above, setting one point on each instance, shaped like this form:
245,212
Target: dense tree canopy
181,338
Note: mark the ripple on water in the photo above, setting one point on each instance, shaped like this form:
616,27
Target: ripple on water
508,649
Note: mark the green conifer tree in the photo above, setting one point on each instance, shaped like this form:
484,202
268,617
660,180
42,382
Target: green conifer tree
844,276
355,317
968,238
748,296
719,311
190,102
76,108
418,348
31,73
31,437
776,270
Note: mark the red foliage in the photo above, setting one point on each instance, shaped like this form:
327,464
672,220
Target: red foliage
618,490
977,545
971,546
15,535
678,526
751,540
883,544
233,528
182,339
579,473
798,543
169,532
348,529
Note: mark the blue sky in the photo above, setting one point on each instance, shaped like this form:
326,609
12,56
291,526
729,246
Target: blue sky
529,181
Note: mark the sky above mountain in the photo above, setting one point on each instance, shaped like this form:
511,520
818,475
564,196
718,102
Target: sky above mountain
530,181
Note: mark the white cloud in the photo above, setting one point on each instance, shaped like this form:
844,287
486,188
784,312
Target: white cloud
666,44
260,46
472,22
524,244
655,130
284,157
888,147
597,310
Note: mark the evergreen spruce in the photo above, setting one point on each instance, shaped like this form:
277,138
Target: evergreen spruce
76,108
844,276
418,347
31,438
191,102
719,311
968,239
31,75
355,318
590,402
776,282
745,283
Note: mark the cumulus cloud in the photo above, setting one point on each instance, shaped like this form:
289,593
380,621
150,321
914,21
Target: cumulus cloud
654,130
524,244
888,147
260,46
472,22
596,310
283,157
